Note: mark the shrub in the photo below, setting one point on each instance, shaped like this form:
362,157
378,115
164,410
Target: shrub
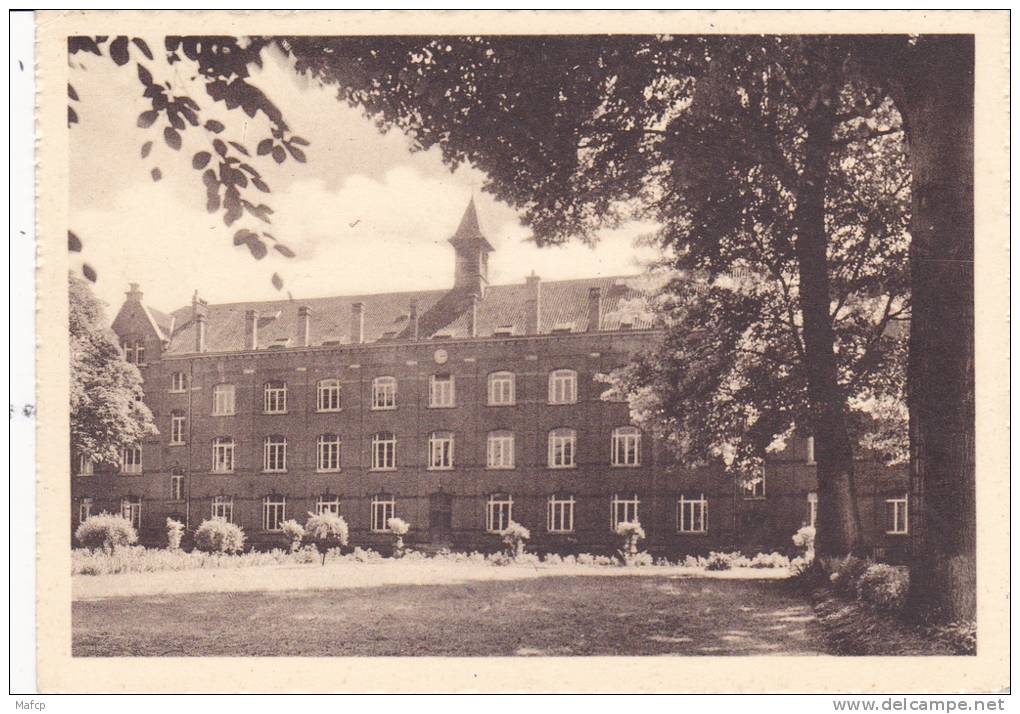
631,532
693,561
846,573
805,538
585,559
476,557
639,559
553,559
719,561
174,533
769,560
499,558
294,532
399,528
362,555
217,536
514,536
106,532
604,560
960,636
884,586
327,531
663,562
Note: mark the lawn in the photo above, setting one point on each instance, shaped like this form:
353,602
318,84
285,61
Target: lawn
393,608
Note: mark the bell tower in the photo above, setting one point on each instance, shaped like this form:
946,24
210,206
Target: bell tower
471,274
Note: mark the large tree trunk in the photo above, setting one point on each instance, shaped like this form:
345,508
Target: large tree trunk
839,527
934,91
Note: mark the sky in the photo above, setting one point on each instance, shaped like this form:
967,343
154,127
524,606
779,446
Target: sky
363,215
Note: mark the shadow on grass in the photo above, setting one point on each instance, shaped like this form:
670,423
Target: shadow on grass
552,615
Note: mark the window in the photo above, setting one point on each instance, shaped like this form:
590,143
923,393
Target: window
383,509
563,387
561,514
176,485
177,382
441,450
810,448
131,460
274,457
562,443
896,518
275,398
498,512
623,510
178,422
384,451
274,512
328,453
223,454
223,400
441,390
501,389
134,352
812,509
85,465
328,395
384,393
223,507
84,509
626,446
692,515
327,504
754,487
500,450
131,508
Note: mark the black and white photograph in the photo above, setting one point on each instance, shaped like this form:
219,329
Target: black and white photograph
557,344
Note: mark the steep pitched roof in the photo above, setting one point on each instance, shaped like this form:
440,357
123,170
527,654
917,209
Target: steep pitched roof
387,315
469,229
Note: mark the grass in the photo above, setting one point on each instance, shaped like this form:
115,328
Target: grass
391,609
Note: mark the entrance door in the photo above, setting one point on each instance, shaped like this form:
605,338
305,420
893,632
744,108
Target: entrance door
440,517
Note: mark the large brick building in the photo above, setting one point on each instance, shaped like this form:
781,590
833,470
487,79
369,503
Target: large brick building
455,410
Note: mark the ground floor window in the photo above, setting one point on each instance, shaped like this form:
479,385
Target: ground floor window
561,514
383,509
327,504
812,509
176,486
84,509
131,508
274,512
691,515
623,509
223,507
896,516
498,512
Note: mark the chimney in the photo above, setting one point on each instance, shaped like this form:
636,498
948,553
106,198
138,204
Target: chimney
133,293
358,323
533,304
594,309
305,325
200,319
473,317
412,327
251,329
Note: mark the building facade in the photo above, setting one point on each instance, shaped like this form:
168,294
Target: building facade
455,410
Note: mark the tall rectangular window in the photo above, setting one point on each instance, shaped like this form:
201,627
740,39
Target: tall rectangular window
178,424
84,509
623,510
440,450
177,382
384,451
563,386
501,389
896,515
691,515
327,504
274,512
275,398
85,465
223,454
328,453
500,450
327,397
384,393
383,509
754,486
441,390
812,509
499,512
562,447
626,446
275,454
561,514
131,509
223,400
176,487
223,507
131,460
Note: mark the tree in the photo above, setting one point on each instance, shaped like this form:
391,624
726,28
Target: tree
107,412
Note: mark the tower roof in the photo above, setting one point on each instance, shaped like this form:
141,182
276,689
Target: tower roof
469,231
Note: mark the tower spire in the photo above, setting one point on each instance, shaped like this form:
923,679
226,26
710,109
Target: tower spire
472,253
